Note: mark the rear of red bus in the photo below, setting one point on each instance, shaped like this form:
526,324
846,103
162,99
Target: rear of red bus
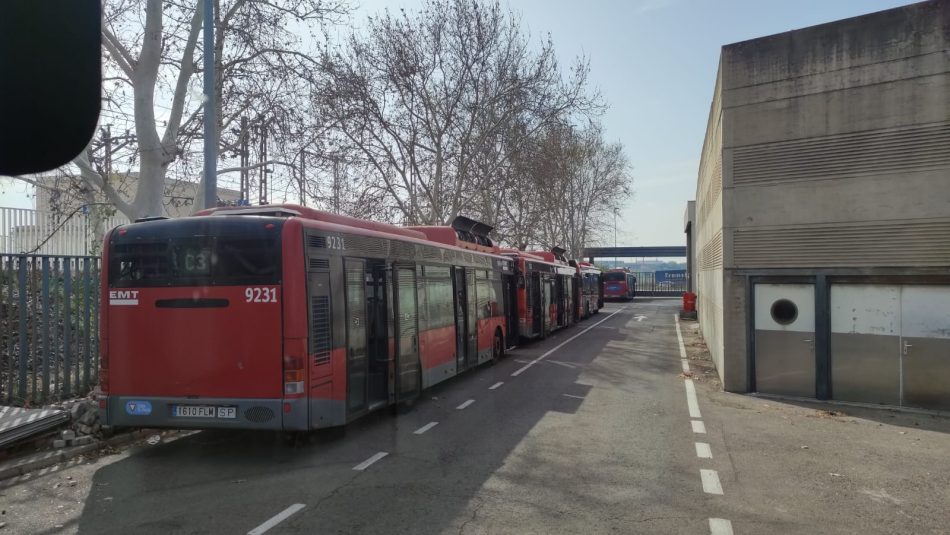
616,285
192,331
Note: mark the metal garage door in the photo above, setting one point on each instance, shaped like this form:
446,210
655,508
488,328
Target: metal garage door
925,346
865,343
891,344
785,339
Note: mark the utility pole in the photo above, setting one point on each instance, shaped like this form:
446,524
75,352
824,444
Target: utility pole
262,188
302,179
107,142
245,162
210,134
336,185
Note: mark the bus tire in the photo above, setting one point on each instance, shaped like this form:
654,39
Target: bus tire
404,406
498,347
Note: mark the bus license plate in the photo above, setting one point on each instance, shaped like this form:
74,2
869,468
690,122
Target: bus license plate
204,411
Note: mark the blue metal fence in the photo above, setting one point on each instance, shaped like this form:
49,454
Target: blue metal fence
49,323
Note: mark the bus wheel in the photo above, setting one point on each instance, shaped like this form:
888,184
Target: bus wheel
404,406
295,439
498,348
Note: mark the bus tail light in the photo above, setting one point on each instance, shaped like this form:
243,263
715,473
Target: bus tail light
293,376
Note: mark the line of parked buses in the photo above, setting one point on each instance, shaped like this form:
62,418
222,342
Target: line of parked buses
286,318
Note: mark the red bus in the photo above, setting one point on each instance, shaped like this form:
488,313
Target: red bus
545,292
286,318
619,284
588,289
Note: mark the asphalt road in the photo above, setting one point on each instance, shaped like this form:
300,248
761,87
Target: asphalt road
598,429
594,437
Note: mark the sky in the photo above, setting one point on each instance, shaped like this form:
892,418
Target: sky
654,62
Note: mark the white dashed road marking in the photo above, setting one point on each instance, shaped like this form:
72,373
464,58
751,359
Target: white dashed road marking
711,483
710,478
466,404
425,428
703,451
573,396
276,519
366,464
691,401
679,337
521,370
496,385
720,526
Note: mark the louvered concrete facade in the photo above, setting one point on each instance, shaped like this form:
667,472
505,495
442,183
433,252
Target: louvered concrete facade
826,161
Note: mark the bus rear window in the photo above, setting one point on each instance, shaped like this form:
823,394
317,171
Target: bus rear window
195,261
614,277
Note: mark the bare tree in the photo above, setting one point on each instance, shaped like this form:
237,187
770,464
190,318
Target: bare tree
152,86
575,181
426,105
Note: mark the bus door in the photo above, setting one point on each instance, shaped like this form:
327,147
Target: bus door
559,299
408,370
357,350
547,289
509,292
472,319
461,305
378,334
537,310
579,298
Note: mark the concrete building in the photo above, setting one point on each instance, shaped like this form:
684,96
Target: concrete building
822,220
179,197
59,225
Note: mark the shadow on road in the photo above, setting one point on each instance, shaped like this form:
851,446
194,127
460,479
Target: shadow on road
218,481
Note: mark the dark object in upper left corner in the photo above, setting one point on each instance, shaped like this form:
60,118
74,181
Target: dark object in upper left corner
50,81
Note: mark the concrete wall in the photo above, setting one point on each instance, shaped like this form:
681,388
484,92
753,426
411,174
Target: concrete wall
836,143
835,150
708,234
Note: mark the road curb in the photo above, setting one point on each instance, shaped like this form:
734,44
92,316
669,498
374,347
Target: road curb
38,461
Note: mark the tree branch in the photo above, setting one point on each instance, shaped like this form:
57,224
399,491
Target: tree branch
121,55
184,76
91,176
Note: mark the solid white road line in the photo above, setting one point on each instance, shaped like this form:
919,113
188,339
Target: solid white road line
573,396
366,464
720,526
679,337
519,371
691,401
698,426
276,519
466,404
703,451
711,483
425,428
496,385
